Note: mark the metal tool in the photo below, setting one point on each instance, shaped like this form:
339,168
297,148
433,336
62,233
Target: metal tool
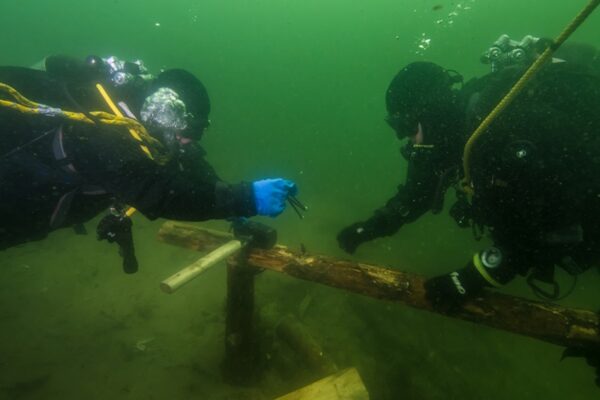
297,205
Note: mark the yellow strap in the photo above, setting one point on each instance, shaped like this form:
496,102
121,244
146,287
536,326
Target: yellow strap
483,271
131,210
518,87
118,113
115,109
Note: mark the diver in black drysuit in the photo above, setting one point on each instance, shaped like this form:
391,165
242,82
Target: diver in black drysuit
535,173
58,173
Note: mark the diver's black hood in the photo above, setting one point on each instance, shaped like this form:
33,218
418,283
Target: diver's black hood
418,86
422,92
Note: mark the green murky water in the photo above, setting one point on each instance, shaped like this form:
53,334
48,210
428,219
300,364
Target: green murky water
297,90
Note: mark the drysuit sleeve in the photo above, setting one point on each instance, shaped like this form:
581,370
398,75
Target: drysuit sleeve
166,192
413,199
423,185
185,188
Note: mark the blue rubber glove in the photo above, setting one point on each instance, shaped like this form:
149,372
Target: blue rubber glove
270,195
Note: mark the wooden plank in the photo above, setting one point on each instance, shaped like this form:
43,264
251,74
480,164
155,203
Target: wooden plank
344,385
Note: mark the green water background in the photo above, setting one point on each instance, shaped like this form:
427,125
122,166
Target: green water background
298,90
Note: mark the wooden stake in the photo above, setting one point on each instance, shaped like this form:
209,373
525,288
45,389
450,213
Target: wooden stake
175,281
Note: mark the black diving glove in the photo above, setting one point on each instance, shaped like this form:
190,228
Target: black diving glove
117,228
448,292
353,236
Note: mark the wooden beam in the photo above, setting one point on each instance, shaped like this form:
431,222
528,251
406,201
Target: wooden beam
545,321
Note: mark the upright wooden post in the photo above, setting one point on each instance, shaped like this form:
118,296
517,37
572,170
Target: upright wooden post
241,344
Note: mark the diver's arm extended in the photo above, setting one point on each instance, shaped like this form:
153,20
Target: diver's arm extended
162,192
412,200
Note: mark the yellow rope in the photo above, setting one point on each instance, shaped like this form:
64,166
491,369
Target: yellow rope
12,92
518,87
137,130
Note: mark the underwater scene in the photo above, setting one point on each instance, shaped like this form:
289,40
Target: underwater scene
321,109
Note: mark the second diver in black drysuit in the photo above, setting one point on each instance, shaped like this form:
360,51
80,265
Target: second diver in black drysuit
535,171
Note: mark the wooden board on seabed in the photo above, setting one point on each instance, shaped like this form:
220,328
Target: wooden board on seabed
344,385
